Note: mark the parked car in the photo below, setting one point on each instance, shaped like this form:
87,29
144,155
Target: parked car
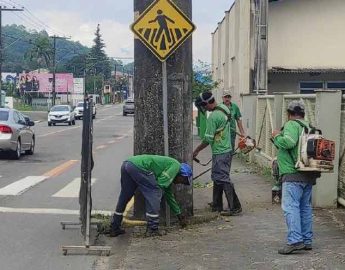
79,109
16,134
61,114
128,107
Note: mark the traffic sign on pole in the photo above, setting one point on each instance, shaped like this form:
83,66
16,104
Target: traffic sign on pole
163,27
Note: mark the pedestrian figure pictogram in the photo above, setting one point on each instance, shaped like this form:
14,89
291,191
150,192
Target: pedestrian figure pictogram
163,27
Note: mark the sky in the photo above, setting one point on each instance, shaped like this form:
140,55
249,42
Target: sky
79,18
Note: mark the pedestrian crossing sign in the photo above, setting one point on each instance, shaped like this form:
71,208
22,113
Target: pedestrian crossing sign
163,27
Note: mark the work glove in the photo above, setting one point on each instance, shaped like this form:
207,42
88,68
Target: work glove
182,220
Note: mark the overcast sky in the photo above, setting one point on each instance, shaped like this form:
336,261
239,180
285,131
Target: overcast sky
79,19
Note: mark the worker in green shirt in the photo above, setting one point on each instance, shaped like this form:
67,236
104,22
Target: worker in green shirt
151,175
236,117
217,135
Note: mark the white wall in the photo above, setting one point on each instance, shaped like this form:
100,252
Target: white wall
307,34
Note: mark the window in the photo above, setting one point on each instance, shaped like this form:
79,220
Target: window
336,85
310,87
3,116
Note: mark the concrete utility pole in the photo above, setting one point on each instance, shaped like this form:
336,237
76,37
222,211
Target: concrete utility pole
54,67
148,121
1,58
261,55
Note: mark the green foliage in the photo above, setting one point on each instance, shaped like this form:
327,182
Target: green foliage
40,55
19,41
202,79
98,59
94,84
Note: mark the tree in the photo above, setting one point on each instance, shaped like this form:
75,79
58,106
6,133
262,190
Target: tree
98,58
40,54
202,79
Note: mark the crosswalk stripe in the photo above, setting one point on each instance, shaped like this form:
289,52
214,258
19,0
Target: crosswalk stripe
22,185
49,211
71,190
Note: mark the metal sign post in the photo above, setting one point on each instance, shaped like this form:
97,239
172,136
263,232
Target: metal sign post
165,128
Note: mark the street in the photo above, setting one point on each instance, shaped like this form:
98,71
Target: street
38,192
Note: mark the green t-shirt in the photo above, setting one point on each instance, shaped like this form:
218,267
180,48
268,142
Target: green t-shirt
235,116
218,132
165,169
287,144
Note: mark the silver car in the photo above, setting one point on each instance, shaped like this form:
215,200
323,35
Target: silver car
16,135
61,114
128,107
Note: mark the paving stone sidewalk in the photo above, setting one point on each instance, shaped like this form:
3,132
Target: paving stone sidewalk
249,241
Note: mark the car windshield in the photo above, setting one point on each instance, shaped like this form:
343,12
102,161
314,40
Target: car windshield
3,115
80,104
60,109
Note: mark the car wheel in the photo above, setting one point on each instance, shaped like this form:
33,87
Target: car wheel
54,124
73,122
49,124
124,114
32,147
17,153
70,123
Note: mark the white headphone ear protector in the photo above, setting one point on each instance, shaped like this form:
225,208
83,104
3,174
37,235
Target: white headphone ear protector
206,100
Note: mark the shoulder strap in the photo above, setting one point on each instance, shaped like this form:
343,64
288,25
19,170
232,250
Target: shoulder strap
228,115
311,129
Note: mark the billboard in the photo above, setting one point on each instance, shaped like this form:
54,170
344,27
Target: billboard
78,85
43,82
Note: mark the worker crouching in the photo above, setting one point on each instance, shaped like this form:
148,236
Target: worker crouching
151,175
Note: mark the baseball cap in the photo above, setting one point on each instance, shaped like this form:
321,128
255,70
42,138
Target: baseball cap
296,106
226,93
186,171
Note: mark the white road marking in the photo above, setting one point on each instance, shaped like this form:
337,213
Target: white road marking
62,130
22,185
49,211
71,190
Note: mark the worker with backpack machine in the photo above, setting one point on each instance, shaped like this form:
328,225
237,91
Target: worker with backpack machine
302,155
217,135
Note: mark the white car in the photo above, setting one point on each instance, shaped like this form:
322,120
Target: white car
61,114
79,109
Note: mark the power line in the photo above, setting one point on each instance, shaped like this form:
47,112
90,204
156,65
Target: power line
33,20
1,58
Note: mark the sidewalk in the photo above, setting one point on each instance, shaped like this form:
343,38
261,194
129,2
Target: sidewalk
249,241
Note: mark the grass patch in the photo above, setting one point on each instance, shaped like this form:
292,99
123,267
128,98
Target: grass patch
23,107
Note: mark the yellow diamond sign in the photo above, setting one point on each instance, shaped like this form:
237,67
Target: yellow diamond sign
163,27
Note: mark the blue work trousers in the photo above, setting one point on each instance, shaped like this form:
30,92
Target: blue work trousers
296,204
131,179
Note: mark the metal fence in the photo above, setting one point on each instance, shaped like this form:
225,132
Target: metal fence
265,118
341,188
264,125
310,103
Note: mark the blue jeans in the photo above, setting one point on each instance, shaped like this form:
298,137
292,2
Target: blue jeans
296,204
133,178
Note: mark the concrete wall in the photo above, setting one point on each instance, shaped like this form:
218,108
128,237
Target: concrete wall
289,82
231,51
306,34
302,34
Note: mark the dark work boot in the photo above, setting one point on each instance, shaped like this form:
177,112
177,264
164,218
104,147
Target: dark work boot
114,232
154,232
308,247
217,204
288,249
115,229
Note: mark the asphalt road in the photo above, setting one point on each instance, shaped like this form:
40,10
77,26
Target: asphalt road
38,192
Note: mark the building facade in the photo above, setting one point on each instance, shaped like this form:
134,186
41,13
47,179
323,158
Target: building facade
305,50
